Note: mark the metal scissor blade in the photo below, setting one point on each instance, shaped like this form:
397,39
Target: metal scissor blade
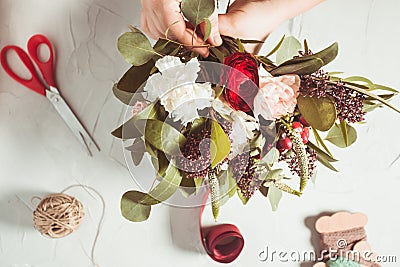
70,119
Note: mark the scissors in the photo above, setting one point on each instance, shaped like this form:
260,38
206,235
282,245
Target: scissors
45,85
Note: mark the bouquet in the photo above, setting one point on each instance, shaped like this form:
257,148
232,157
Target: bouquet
234,122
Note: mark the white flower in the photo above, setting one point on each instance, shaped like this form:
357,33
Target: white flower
243,126
177,89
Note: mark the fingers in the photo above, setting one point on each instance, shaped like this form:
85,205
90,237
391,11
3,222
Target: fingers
225,25
158,16
215,37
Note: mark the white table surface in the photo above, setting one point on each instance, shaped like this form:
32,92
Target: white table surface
38,155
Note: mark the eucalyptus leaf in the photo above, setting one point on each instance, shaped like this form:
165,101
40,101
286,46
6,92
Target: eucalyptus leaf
207,26
272,156
166,188
274,196
135,77
123,96
320,113
128,130
289,48
166,47
161,135
137,151
220,146
135,48
338,135
197,10
300,68
131,209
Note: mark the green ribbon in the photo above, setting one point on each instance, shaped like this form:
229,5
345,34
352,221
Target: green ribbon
342,262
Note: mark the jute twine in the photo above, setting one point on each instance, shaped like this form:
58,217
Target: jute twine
58,215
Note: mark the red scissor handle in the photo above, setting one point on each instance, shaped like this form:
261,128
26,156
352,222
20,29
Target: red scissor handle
34,82
46,68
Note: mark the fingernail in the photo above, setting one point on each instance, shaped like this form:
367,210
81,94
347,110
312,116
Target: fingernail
217,39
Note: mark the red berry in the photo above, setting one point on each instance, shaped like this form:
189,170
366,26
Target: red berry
285,143
304,122
306,131
305,136
297,126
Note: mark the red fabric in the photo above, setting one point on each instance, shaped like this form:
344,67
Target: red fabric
224,242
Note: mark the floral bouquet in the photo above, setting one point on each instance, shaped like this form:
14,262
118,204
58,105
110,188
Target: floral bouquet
234,122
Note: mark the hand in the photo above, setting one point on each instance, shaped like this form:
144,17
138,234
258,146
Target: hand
159,15
256,19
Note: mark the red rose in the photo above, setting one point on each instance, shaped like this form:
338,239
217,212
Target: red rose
241,84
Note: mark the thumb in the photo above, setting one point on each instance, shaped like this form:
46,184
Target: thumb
215,37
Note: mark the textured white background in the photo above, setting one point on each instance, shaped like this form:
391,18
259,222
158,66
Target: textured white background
38,155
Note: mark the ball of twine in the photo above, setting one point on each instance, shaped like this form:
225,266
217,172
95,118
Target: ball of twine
58,215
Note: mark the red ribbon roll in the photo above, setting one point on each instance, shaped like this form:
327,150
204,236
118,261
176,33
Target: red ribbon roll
224,242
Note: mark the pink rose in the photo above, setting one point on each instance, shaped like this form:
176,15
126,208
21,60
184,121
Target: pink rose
277,96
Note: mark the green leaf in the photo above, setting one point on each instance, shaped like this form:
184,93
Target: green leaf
343,127
266,63
218,54
274,196
135,48
338,135
207,26
300,68
289,48
137,151
244,41
135,77
327,55
197,10
320,113
218,90
367,93
242,197
166,188
131,209
128,130
382,87
161,135
123,96
358,79
273,51
326,163
321,142
306,48
166,47
272,156
240,45
321,152
198,183
220,146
